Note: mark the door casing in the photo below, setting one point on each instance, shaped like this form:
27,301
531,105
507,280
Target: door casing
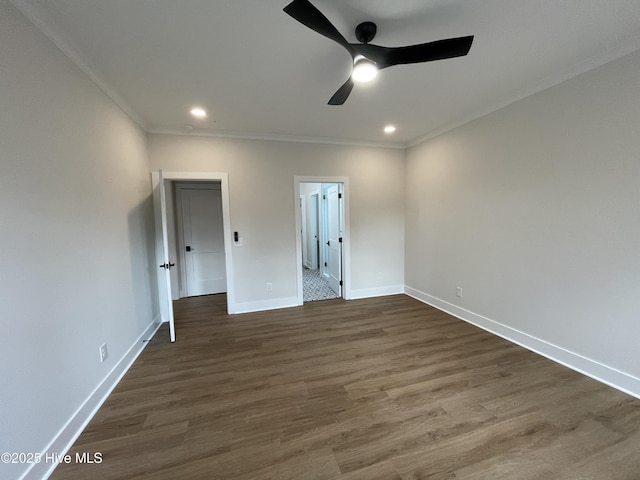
223,178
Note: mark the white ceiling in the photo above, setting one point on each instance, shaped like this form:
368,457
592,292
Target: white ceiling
259,73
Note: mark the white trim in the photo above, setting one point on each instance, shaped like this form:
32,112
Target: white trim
377,292
273,137
346,234
69,433
616,51
609,376
262,305
43,23
223,178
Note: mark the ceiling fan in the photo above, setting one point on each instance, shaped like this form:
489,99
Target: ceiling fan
368,59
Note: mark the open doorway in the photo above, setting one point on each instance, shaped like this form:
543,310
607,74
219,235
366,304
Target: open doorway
199,239
322,240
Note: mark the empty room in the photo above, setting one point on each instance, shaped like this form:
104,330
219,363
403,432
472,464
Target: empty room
320,239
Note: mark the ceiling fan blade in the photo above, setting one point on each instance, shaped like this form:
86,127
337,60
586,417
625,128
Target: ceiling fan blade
342,94
425,52
304,12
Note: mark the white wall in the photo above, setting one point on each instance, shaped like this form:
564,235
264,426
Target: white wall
75,228
534,211
261,185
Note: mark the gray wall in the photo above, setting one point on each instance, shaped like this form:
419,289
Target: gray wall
261,186
534,211
75,227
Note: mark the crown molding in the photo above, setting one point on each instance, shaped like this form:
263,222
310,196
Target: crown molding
47,27
620,49
272,137
40,20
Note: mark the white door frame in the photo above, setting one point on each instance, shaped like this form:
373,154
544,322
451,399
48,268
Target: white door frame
346,242
223,178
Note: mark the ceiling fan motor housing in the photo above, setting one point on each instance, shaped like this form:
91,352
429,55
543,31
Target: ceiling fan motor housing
366,31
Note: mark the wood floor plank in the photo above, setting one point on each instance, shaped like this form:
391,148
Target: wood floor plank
378,471
550,460
376,389
448,455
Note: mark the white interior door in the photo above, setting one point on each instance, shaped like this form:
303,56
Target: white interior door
304,231
313,235
203,239
162,252
334,230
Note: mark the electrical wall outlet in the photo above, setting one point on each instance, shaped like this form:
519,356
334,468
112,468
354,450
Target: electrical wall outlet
459,292
103,352
269,287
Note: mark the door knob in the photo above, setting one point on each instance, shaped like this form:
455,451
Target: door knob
188,248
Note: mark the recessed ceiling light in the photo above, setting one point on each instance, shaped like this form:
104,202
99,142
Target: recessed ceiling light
199,112
389,129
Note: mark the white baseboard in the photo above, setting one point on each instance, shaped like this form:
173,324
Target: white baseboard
276,303
261,305
65,438
375,292
610,376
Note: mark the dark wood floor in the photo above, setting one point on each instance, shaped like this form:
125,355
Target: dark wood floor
377,389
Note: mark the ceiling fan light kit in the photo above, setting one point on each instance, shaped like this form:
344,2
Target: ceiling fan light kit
364,70
367,58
